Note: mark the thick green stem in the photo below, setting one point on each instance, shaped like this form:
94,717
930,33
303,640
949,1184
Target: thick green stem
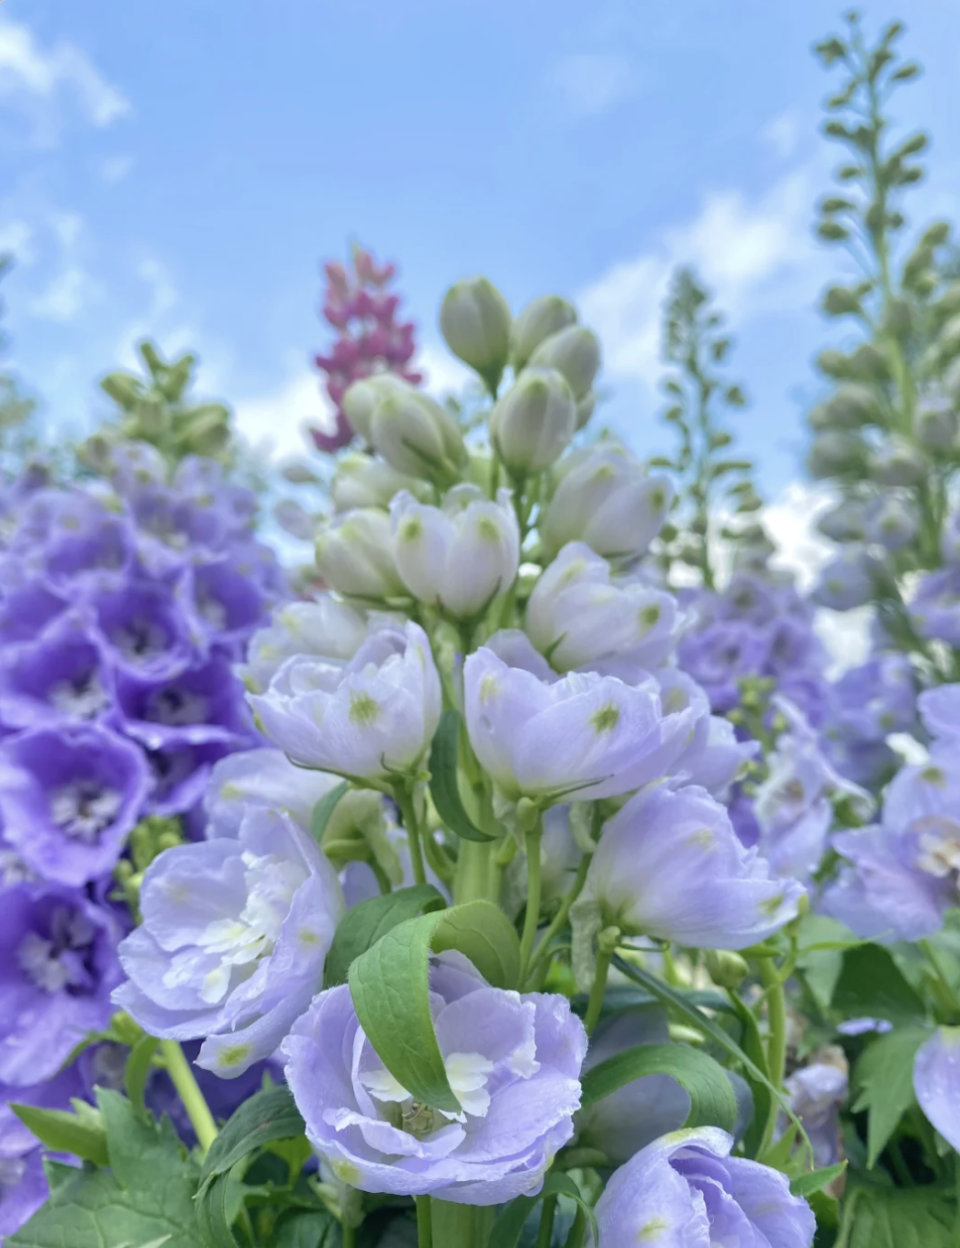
462,1226
546,1222
776,1039
474,880
348,1235
424,1223
595,1004
404,799
182,1078
531,919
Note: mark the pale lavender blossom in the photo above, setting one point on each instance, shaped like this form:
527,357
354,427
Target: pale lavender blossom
936,1081
324,627
513,1062
264,778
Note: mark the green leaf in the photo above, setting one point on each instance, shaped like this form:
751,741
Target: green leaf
146,1202
712,1102
137,1070
752,1045
218,1206
268,1115
389,984
306,1228
883,1085
895,1217
816,1180
508,1227
325,808
366,922
871,986
444,786
753,1072
62,1132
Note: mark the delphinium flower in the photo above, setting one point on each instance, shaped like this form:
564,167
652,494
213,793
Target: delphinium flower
867,704
371,339
817,1091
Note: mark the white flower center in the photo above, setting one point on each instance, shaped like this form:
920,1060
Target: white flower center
83,809
467,1074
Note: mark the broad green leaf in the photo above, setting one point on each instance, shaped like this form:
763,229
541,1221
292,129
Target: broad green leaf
752,1070
509,1225
325,808
146,1202
883,1084
444,785
712,1102
137,1070
268,1115
62,1132
816,1180
390,987
218,1205
820,955
306,1228
895,1217
871,985
364,924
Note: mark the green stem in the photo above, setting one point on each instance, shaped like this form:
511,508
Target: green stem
404,799
475,871
531,919
546,1222
348,1235
543,948
944,990
776,1040
595,1004
424,1222
182,1078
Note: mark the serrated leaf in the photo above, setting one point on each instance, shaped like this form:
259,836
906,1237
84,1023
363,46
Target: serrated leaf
444,784
816,1180
883,1085
509,1225
146,1201
894,1217
712,1102
324,809
390,987
871,985
268,1115
364,924
63,1132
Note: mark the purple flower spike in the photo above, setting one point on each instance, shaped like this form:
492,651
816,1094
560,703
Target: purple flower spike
201,704
147,634
69,796
224,603
62,675
686,1191
512,1061
936,1081
26,608
58,966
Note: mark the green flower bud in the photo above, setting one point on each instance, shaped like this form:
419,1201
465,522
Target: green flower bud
853,405
122,388
726,968
534,422
937,426
898,464
539,320
585,408
835,451
355,555
365,481
363,396
415,435
475,321
575,353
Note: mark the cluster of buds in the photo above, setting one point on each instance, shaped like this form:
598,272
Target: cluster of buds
370,340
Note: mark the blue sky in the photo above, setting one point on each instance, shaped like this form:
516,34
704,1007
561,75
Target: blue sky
180,169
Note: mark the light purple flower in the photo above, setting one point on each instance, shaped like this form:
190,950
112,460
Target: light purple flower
670,865
686,1191
513,1061
586,733
23,1189
61,675
261,778
940,712
325,627
714,756
374,716
233,940
720,655
936,1081
580,616
935,609
849,580
147,635
58,965
69,797
816,1093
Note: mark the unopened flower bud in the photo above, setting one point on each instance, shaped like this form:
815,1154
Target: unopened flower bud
575,353
585,408
475,321
354,555
937,426
897,463
366,481
534,422
726,968
835,451
606,499
363,396
417,436
539,320
852,405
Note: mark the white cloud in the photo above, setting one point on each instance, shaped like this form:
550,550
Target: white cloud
115,168
15,239
757,256
443,372
53,82
783,133
275,421
65,297
592,83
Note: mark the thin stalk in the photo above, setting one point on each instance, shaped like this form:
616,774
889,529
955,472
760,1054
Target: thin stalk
546,1222
424,1222
182,1078
543,948
404,799
531,919
776,1041
595,1004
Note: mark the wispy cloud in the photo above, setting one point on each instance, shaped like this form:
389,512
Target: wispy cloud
757,255
64,298
47,84
592,83
783,133
115,168
275,420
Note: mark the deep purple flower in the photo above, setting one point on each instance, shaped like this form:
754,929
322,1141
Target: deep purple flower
147,634
27,606
203,703
69,796
180,773
224,602
936,1081
685,1190
513,1062
60,676
58,966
